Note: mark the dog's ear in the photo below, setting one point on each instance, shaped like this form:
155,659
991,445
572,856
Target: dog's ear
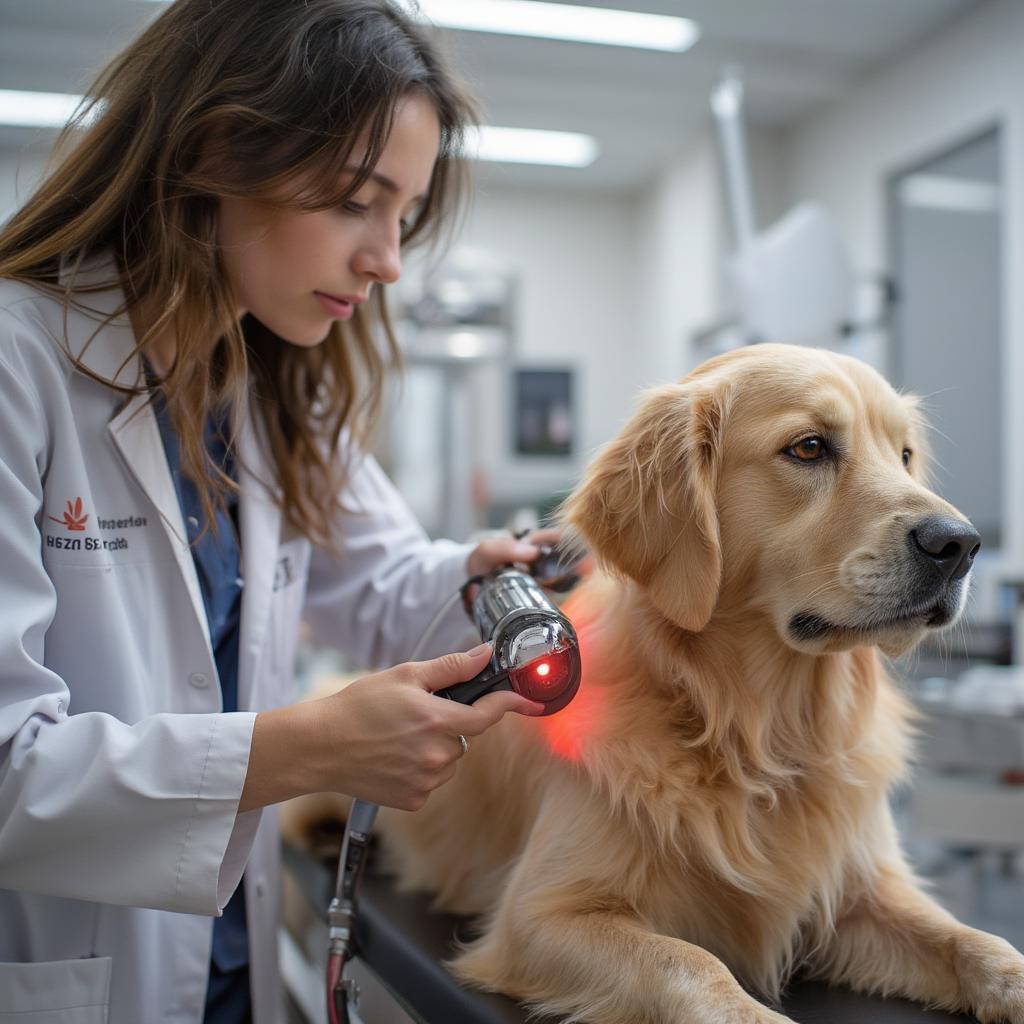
646,506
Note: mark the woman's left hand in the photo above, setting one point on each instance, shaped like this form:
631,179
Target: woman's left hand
495,551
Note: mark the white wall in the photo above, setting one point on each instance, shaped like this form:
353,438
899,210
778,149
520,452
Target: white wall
20,170
957,83
575,256
679,254
579,305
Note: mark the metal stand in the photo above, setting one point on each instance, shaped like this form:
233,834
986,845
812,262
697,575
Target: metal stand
342,992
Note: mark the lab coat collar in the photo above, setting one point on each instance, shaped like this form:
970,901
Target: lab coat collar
108,352
101,336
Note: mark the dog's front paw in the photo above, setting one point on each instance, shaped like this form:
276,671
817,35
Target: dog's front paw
991,975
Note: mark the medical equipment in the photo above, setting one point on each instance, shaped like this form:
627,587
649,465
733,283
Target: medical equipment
969,789
791,282
976,722
535,649
535,653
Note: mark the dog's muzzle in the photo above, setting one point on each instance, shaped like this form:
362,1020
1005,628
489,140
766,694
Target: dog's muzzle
928,591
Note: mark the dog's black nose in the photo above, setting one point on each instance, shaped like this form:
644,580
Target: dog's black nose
950,544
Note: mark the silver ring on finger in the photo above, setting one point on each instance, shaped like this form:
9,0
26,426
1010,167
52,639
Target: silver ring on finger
464,743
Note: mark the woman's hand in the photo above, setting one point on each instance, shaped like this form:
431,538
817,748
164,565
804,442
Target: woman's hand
386,738
496,551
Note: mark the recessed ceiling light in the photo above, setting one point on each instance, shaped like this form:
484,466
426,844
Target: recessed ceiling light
564,21
531,146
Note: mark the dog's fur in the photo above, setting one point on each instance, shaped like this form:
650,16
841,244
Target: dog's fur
711,811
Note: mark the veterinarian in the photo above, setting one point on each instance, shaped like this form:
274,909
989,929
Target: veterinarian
193,343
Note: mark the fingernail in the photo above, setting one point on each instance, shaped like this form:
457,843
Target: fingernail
527,550
478,650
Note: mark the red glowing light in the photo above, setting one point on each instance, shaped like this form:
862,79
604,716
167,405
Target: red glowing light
546,678
569,733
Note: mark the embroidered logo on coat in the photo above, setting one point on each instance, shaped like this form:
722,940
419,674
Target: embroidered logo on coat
73,518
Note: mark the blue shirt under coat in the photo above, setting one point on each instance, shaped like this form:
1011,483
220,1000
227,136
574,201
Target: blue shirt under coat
217,559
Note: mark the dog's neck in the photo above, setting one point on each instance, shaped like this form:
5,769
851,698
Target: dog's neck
735,688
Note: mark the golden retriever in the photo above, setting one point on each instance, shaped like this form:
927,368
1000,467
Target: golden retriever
711,812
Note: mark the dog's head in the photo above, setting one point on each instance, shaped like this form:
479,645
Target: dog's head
788,480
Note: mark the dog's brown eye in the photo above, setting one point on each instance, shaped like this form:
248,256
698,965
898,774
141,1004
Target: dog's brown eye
810,449
906,457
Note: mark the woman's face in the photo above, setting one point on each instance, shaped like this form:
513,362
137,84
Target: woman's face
297,272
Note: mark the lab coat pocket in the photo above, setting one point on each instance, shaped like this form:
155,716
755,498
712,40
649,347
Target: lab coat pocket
59,992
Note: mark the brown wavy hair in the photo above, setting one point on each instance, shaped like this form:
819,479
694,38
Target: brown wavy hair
261,99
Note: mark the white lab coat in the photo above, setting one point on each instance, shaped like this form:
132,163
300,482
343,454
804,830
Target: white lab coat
119,775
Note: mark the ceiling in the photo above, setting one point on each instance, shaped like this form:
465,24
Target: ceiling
643,106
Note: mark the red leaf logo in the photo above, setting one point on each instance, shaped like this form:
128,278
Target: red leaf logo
73,518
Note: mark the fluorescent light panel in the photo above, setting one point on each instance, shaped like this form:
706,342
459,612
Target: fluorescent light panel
506,145
565,21
36,109
531,146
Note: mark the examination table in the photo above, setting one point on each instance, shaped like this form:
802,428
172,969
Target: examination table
403,943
